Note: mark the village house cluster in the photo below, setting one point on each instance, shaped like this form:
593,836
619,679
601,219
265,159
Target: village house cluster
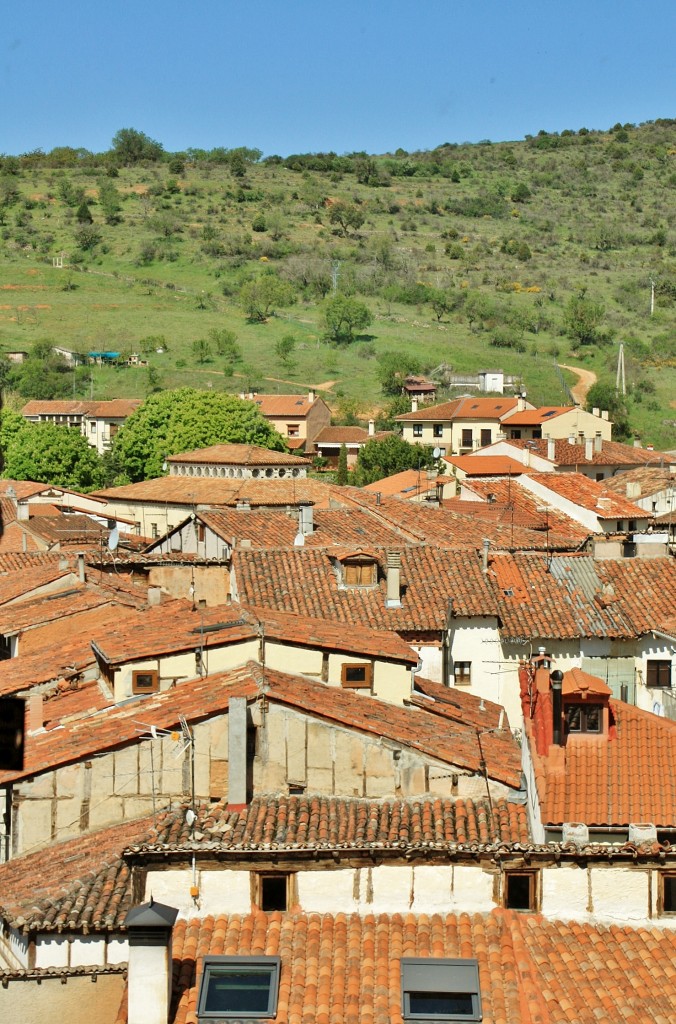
304,753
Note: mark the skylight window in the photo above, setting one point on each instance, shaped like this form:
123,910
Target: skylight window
440,989
238,987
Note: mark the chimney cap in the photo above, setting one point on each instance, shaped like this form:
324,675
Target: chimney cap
151,915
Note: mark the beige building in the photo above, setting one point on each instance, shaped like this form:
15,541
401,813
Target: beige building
298,418
461,426
570,422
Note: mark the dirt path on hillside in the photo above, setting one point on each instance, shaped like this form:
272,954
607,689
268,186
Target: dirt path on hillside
585,380
326,386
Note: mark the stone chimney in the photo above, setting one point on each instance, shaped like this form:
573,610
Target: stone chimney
149,973
633,490
414,404
306,523
598,441
237,762
22,511
81,566
551,449
589,448
393,598
372,427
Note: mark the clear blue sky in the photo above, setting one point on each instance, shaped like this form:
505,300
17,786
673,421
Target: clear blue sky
307,75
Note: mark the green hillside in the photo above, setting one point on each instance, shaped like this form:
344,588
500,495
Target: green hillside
520,255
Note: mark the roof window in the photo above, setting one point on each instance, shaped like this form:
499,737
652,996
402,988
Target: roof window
238,987
440,989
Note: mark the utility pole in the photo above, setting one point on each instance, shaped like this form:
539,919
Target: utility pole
335,270
620,382
652,296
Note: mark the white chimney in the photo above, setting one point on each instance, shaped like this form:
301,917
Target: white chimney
149,973
306,520
571,439
81,566
372,427
393,598
604,414
551,449
589,448
237,765
311,395
637,442
22,511
596,412
484,559
414,404
633,490
598,441
520,403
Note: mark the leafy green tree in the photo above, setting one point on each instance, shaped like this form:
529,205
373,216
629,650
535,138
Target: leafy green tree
440,301
346,215
520,193
83,214
53,455
44,374
110,202
603,395
284,349
381,458
262,296
88,237
177,421
393,368
342,472
130,146
582,318
201,349
343,316
225,344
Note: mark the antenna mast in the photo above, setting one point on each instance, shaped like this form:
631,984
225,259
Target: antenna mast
620,381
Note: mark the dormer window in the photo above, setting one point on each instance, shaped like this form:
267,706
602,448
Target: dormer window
360,572
584,718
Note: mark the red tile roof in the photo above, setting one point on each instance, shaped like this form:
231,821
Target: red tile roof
345,968
202,698
16,618
608,780
66,529
578,596
23,583
407,484
536,417
304,581
612,453
190,491
486,465
459,705
650,479
511,503
269,528
348,436
116,408
588,494
11,561
463,409
238,455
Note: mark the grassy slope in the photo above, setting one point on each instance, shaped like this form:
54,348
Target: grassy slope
592,221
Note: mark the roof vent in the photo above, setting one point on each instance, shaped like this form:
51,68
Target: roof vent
575,832
642,833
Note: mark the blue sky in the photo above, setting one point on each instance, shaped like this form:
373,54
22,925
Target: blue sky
308,75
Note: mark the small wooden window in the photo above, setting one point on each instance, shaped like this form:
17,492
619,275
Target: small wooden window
658,672
467,438
668,893
357,676
520,891
462,673
360,574
273,891
145,681
201,532
486,437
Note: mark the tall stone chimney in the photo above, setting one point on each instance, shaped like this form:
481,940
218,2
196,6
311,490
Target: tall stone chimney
81,566
149,973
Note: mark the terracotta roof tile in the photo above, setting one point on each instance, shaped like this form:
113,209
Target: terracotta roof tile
208,491
202,698
238,455
514,503
588,494
650,480
407,484
343,968
537,416
486,465
23,583
66,529
116,408
348,435
612,453
14,561
270,528
464,409
293,406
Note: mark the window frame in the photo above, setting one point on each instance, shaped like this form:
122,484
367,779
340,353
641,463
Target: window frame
417,430
366,684
359,567
258,882
661,909
655,667
533,889
466,437
486,432
438,430
442,976
237,964
155,680
584,730
463,678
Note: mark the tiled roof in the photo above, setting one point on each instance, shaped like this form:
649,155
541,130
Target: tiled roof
57,657
115,408
21,583
304,581
238,455
68,701
463,409
202,698
407,484
569,596
459,705
608,780
22,488
292,406
190,491
486,465
512,503
537,416
54,407
80,885
612,453
271,528
588,494
650,479
344,968
11,561
67,529
15,618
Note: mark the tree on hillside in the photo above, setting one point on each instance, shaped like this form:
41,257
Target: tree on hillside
343,316
262,296
582,318
393,368
346,215
603,395
130,146
44,374
53,455
284,349
378,459
177,421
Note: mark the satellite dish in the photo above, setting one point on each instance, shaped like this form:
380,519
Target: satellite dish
436,453
114,539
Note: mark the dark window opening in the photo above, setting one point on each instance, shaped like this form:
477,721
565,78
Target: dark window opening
417,429
658,672
426,1004
440,989
462,673
145,682
438,430
357,676
486,438
274,892
467,439
515,435
669,894
584,718
520,890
